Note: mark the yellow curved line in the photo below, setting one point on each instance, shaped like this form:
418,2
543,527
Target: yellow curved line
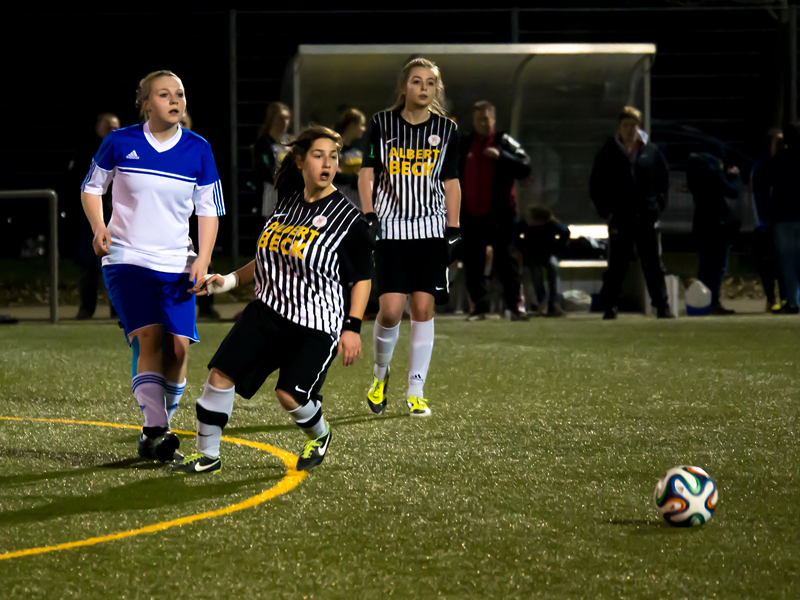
289,482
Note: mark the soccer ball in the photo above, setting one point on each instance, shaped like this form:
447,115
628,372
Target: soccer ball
686,496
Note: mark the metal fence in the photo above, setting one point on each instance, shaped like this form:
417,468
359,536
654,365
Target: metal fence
52,200
728,71
714,73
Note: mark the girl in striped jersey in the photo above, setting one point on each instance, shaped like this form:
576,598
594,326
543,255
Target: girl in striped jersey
161,174
410,193
312,261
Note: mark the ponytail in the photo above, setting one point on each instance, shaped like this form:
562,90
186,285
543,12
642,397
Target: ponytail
288,176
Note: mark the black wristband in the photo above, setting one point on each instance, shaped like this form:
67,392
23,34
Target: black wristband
352,324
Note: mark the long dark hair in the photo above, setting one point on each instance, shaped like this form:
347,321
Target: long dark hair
273,110
288,177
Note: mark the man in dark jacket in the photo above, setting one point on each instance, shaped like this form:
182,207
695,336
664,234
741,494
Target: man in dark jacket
715,225
628,185
88,262
489,164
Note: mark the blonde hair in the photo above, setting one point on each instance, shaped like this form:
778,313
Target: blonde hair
438,104
288,176
629,112
146,86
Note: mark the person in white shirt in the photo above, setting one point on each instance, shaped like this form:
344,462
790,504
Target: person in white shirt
162,174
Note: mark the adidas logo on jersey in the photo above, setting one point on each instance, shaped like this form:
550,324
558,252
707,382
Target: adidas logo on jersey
133,155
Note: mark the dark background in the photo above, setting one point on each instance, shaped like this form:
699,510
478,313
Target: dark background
722,68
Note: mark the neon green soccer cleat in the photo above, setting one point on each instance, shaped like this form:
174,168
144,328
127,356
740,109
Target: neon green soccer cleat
314,451
376,396
418,407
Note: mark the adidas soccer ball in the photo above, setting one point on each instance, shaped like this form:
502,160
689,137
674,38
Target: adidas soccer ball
686,496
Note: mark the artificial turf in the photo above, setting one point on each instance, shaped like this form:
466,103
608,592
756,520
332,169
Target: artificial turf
534,476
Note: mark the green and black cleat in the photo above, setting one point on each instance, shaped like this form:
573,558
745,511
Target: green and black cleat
376,396
196,464
314,451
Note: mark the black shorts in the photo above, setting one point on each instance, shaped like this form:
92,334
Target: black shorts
405,266
262,342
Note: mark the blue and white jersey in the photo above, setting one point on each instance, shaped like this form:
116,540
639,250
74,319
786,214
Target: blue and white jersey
157,186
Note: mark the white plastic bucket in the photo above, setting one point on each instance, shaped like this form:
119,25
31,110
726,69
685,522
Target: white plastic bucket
698,300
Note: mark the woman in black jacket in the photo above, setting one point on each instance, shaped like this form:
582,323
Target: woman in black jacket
784,216
628,186
268,152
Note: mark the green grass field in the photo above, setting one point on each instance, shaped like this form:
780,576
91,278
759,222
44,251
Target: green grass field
533,478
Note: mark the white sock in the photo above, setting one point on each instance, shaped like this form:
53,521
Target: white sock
148,389
174,392
309,418
214,409
420,350
384,342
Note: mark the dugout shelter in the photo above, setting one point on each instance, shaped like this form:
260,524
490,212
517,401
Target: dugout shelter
560,101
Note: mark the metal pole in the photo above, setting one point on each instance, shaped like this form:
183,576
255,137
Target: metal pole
516,98
52,198
648,117
793,62
515,25
234,99
296,94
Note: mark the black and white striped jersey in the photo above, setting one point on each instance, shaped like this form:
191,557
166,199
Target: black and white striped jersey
307,255
411,164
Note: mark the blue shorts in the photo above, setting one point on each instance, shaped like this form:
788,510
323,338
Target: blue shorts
145,297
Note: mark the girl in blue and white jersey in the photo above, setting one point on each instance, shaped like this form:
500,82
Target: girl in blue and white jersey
162,173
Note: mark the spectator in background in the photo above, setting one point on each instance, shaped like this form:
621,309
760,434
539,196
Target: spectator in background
186,121
540,239
205,303
268,152
784,215
715,224
351,126
763,242
628,185
88,263
490,161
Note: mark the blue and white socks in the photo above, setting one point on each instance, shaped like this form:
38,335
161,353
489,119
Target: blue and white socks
149,389
172,396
